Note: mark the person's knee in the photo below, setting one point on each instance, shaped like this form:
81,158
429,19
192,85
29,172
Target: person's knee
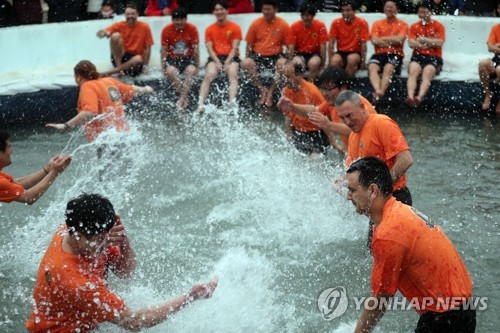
414,69
299,60
314,63
115,37
389,69
248,64
353,59
191,70
429,72
373,69
172,71
336,61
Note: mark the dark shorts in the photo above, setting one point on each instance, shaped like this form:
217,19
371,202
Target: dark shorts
496,63
424,60
180,63
460,320
310,142
306,56
134,71
387,58
267,63
223,58
344,55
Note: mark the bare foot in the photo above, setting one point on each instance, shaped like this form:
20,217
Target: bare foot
199,109
263,96
269,101
182,103
419,100
486,104
410,101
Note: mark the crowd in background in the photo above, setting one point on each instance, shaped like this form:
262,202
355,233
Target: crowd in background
19,12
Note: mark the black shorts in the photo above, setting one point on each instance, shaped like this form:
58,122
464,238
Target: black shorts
307,56
496,63
459,320
265,62
344,55
223,58
424,60
383,59
310,142
134,71
180,63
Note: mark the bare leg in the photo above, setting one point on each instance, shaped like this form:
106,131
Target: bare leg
336,61
210,74
313,64
232,75
248,65
269,100
373,74
414,71
386,79
485,70
353,61
189,74
118,50
173,75
427,75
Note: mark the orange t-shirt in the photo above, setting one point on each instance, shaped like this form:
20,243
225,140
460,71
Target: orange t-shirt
435,30
384,28
222,37
494,37
267,38
413,255
105,98
136,38
307,39
381,137
179,43
350,35
308,94
71,292
330,110
9,190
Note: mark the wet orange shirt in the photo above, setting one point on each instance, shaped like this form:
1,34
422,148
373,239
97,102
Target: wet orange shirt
105,98
350,35
414,256
384,28
9,190
330,110
381,137
71,292
223,37
136,38
267,38
179,43
494,37
308,94
431,30
307,39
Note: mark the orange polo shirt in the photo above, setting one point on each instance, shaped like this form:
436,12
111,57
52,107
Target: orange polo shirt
179,43
435,30
384,28
9,190
136,38
222,37
413,255
308,94
381,137
350,35
307,39
267,38
494,36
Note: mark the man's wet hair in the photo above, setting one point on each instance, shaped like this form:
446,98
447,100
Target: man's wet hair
424,4
373,170
348,95
90,214
108,3
394,1
335,75
273,3
4,137
220,2
308,8
348,3
180,13
132,5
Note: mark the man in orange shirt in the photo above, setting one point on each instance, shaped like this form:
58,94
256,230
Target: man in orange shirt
27,189
426,39
265,38
410,254
307,137
180,53
490,68
388,37
130,43
223,40
350,33
71,291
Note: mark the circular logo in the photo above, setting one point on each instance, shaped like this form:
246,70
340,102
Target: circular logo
332,303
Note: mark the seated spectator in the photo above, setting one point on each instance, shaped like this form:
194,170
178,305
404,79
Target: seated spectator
426,39
67,11
7,14
455,6
93,9
160,7
240,7
223,40
490,68
28,11
196,6
349,34
107,10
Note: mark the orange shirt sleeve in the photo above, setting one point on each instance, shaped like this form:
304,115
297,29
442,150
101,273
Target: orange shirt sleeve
88,99
9,191
251,34
291,38
388,259
195,36
365,31
440,31
376,29
323,33
334,29
164,36
494,36
413,31
391,137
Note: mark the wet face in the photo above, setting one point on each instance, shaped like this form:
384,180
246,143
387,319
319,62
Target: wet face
347,13
352,115
390,9
329,92
269,12
5,155
179,23
424,14
91,245
361,197
307,19
131,16
287,75
220,13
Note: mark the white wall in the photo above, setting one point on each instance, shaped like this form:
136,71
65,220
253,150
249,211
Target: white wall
42,56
